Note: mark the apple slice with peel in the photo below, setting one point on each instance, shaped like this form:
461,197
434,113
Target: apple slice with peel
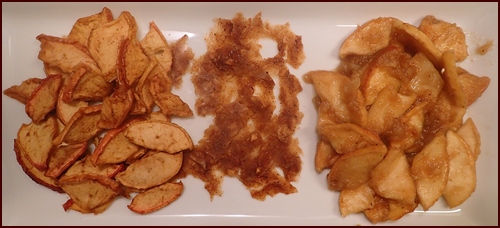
156,198
44,99
159,135
64,157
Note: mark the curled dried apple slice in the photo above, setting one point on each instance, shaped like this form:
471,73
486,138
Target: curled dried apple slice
156,198
44,99
23,92
63,157
85,166
81,127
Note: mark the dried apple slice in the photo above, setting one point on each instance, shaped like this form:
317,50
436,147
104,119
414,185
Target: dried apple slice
35,140
92,87
105,40
353,169
430,169
155,44
462,172
65,110
89,191
136,62
36,175
23,92
63,157
114,146
64,54
85,166
169,103
152,170
82,28
70,205
44,99
81,127
368,38
156,198
159,135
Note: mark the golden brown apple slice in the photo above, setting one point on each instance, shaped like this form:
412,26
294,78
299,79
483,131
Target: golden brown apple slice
65,110
36,175
380,210
356,200
23,92
368,38
353,169
169,103
89,192
155,44
156,198
430,171
325,155
473,86
152,170
397,208
347,137
64,157
462,174
82,28
81,127
391,178
159,135
35,140
70,205
44,99
468,131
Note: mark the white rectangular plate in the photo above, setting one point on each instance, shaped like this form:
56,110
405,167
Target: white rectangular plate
323,27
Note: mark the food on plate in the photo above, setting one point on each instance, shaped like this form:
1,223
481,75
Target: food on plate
391,123
251,137
100,115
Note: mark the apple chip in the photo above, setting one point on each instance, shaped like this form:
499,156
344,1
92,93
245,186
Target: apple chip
159,135
85,167
105,40
65,110
114,147
169,103
155,44
63,157
83,26
23,92
36,175
81,127
70,205
156,198
43,100
152,170
35,140
89,192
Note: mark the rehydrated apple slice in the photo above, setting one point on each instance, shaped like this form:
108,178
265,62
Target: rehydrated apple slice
44,99
430,171
427,82
446,36
35,140
90,191
468,131
64,157
356,200
151,170
473,85
462,171
85,167
347,137
81,127
353,169
325,155
159,135
114,146
156,198
368,38
36,175
23,92
391,178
